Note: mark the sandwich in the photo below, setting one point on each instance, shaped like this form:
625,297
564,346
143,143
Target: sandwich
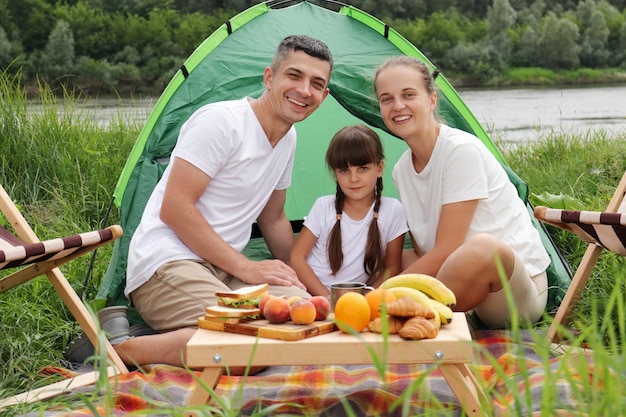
237,306
245,297
230,315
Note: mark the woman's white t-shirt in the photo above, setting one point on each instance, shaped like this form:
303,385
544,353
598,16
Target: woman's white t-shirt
322,218
226,141
461,168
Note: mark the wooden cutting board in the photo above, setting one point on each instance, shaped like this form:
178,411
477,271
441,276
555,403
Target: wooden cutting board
262,328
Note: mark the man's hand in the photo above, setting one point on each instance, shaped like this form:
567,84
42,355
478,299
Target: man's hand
273,272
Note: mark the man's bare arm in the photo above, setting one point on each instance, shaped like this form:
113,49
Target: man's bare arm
185,186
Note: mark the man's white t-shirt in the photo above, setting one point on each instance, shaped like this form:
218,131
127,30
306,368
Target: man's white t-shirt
322,218
461,168
225,141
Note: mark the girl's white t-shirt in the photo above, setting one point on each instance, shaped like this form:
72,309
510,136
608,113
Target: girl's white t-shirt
461,168
322,218
225,141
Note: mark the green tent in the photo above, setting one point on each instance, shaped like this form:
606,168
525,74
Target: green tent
229,65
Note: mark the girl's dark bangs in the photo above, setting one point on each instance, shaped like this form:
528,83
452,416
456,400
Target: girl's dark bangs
352,153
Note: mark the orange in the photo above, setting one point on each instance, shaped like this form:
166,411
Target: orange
352,311
375,298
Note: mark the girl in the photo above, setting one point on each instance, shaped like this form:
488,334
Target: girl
356,235
464,214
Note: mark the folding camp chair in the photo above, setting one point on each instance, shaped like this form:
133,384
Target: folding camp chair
603,230
32,258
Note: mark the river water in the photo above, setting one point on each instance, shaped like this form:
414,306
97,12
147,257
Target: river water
525,114
509,115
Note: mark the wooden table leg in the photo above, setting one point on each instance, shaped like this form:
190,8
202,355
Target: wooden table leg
210,376
465,387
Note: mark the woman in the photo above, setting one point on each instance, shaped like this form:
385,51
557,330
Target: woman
466,221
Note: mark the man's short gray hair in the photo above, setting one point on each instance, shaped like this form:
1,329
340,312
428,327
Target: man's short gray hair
308,45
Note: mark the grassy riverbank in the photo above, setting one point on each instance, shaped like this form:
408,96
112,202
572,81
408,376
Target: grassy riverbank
61,170
544,77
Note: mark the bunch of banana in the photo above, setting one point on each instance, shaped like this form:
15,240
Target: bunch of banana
427,284
444,312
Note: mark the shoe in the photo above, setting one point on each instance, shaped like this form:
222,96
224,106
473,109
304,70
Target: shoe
79,350
116,327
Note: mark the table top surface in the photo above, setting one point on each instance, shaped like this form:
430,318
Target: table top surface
452,344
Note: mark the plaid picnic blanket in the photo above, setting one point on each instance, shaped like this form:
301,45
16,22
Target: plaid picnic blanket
511,371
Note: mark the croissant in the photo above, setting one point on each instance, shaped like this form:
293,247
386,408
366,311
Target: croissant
418,328
394,324
436,322
408,307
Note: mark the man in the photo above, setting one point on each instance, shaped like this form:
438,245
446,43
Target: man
231,167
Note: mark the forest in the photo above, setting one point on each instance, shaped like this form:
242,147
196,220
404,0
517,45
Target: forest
135,46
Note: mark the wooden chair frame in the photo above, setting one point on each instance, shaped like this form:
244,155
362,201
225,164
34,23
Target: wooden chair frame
50,269
586,266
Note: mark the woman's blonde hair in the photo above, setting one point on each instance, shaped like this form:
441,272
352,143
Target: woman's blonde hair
427,77
409,61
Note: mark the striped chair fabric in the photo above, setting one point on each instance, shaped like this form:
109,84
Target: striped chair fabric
14,252
606,229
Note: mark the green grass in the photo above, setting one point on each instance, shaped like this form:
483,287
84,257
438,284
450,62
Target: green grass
587,168
546,77
61,169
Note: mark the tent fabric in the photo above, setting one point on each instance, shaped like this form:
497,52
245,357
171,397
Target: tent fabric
229,65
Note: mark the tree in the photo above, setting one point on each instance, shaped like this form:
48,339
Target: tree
526,55
129,7
532,14
5,49
58,57
194,28
614,21
558,46
441,33
594,51
34,21
474,61
94,32
500,18
622,54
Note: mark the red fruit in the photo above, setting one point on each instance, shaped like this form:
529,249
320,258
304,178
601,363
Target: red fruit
264,300
322,307
276,310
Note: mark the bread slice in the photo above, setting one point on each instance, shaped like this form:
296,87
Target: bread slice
230,312
243,293
223,320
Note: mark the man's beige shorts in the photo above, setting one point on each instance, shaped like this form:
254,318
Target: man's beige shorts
178,292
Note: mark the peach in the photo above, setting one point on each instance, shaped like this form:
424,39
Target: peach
303,312
322,307
264,300
276,310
